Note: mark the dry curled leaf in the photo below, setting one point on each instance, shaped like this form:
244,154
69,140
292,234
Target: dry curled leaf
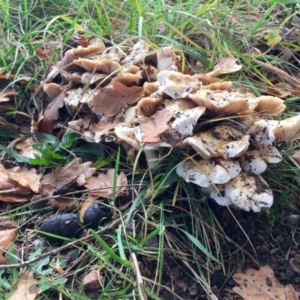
110,100
103,185
262,284
6,238
93,279
155,126
226,65
51,113
66,174
26,288
27,178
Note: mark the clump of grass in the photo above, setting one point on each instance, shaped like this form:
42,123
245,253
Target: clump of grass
168,219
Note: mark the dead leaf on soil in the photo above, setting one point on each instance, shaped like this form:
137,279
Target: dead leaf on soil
155,126
66,174
27,288
80,125
262,284
226,65
11,191
110,100
103,127
102,185
27,178
63,203
6,239
283,90
26,148
93,280
51,114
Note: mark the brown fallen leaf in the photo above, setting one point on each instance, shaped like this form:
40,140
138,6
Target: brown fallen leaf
25,148
11,191
27,178
103,127
6,239
262,284
66,174
9,198
102,185
51,114
93,279
226,65
110,100
27,288
155,126
63,203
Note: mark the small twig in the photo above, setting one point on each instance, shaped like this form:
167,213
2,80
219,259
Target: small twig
64,247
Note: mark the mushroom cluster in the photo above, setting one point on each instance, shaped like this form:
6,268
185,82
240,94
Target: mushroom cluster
141,98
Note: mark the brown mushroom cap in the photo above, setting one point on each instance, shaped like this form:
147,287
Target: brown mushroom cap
220,141
267,132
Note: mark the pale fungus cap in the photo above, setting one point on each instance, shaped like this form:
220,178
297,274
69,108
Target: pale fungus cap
223,102
177,85
220,141
255,160
207,172
267,132
249,192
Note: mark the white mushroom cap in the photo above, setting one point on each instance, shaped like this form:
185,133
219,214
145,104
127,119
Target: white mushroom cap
268,131
220,141
177,85
254,160
207,172
126,133
182,126
249,192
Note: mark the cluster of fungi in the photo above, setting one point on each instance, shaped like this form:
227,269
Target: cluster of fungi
141,98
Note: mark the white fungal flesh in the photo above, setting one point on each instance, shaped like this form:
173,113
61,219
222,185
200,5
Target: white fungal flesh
249,192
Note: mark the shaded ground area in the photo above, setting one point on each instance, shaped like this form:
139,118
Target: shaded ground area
277,248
